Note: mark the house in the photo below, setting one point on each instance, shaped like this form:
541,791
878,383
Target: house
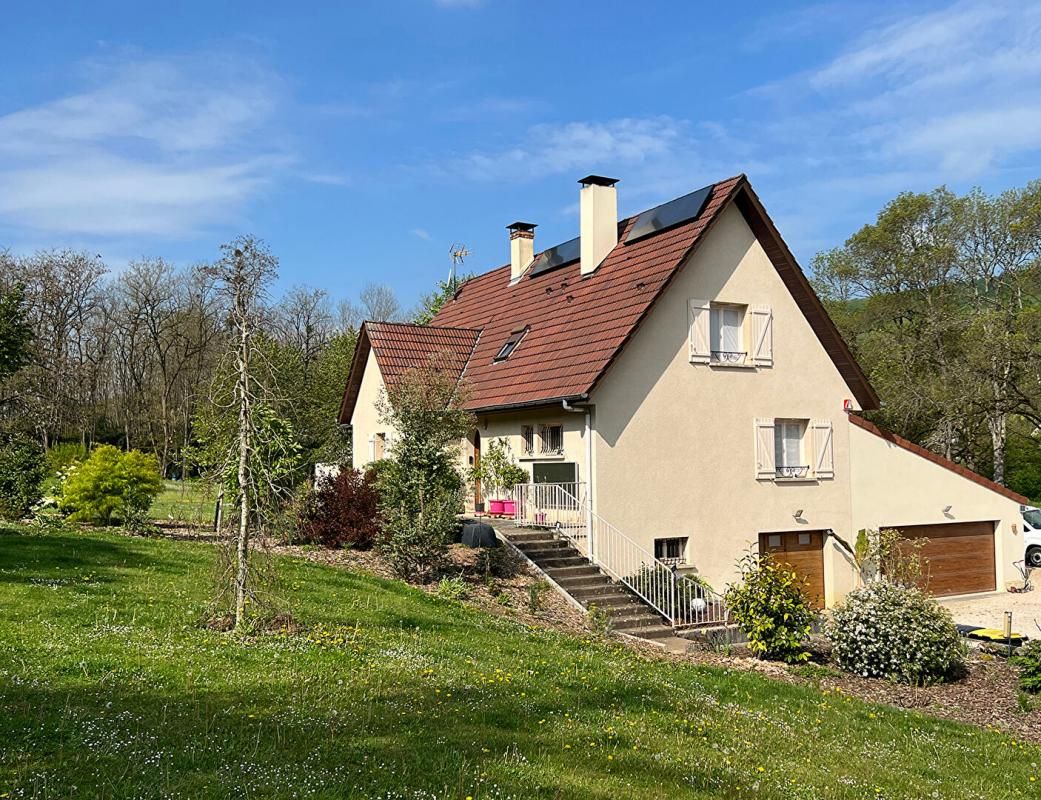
673,378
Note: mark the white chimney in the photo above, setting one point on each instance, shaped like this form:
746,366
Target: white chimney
522,247
599,225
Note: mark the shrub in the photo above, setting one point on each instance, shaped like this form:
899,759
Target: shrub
452,588
884,630
415,544
342,511
22,470
497,562
536,590
111,485
770,606
1028,659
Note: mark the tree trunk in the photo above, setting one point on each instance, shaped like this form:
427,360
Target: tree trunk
245,493
998,424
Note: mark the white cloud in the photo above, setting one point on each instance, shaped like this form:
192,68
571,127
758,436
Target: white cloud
152,147
421,233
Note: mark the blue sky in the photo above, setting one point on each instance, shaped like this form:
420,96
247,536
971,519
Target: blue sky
361,140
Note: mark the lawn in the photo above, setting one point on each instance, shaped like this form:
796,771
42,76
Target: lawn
190,501
110,688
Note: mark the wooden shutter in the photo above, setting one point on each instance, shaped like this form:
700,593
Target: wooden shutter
372,448
823,449
764,449
762,336
699,319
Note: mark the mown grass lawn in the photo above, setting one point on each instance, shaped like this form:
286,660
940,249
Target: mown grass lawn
109,688
190,501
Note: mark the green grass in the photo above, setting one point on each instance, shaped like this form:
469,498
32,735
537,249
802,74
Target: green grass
189,501
109,688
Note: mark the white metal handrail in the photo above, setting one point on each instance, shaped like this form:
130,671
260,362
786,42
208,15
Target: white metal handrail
683,601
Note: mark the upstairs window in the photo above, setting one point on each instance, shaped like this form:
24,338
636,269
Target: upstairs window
511,344
727,334
528,439
789,454
552,439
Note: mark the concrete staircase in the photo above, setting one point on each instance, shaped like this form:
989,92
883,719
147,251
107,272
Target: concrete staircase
573,573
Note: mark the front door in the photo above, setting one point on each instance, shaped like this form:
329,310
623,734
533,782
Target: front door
803,553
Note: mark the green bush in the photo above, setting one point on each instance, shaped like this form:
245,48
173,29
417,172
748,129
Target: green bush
111,485
22,470
1028,659
452,588
415,544
771,607
897,632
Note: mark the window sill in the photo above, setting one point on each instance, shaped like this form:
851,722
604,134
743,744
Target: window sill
542,457
807,479
726,365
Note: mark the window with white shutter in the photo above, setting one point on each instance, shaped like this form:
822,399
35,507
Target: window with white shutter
789,453
764,449
823,448
372,448
762,334
528,438
699,321
727,335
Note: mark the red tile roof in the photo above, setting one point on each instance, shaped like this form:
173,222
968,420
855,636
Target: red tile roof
400,346
936,458
578,325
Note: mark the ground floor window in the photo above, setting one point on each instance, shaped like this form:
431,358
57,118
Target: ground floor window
672,550
554,472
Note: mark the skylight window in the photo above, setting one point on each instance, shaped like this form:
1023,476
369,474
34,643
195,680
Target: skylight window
511,344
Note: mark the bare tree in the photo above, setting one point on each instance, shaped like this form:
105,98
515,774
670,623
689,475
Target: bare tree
349,316
304,322
379,303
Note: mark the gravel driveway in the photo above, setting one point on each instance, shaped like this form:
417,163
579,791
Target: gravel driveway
988,611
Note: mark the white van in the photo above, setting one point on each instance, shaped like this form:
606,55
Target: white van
1032,535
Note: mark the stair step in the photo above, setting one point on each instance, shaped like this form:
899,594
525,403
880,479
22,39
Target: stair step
651,632
532,536
584,582
608,601
563,573
631,623
548,553
541,544
636,609
557,562
582,593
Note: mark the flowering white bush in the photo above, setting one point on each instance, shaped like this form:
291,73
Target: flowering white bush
896,632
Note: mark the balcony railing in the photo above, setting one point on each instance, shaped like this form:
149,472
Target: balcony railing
728,357
800,471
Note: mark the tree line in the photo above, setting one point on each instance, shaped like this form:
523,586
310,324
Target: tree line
136,357
940,299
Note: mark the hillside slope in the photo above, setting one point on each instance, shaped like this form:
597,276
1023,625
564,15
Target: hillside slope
109,688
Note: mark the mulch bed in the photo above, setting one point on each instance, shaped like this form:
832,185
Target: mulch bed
987,696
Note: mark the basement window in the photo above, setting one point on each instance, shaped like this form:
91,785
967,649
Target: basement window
672,551
511,344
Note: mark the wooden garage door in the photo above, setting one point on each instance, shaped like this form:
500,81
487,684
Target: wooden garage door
960,556
803,551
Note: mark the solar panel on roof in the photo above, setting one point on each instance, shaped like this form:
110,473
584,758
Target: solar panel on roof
556,257
669,214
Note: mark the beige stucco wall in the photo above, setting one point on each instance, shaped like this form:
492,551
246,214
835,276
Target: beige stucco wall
365,421
508,426
894,487
674,441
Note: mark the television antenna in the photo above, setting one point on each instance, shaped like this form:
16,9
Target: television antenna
458,252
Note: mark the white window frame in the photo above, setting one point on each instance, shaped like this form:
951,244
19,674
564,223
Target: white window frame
789,466
727,339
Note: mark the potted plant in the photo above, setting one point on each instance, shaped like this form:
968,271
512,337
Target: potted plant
499,474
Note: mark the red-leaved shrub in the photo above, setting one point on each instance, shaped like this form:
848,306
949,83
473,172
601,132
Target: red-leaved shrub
342,511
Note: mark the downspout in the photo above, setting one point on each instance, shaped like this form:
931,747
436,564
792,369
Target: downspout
588,472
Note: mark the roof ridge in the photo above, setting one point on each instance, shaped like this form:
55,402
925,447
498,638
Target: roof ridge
422,326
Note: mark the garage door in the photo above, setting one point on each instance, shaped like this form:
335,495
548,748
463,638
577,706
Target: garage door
803,552
960,556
